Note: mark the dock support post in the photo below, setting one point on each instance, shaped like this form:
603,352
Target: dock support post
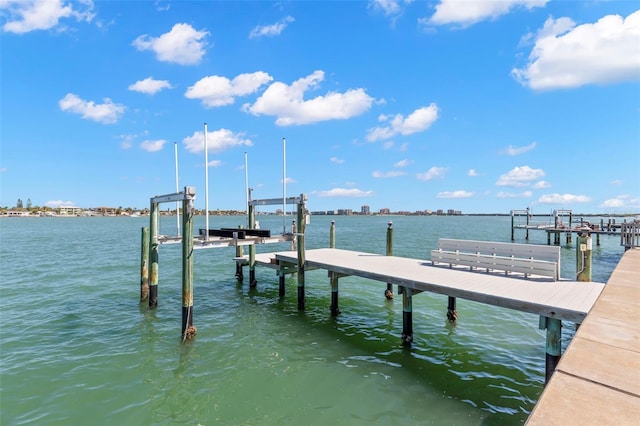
144,264
333,277
407,316
512,228
281,280
252,249
332,235
388,293
188,330
153,256
293,231
452,314
301,254
583,257
239,254
553,345
527,233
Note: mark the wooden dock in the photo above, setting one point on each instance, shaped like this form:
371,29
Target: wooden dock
564,300
597,381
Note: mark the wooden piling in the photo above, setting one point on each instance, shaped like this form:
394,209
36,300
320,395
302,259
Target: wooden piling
332,235
293,231
333,277
512,225
583,257
301,255
252,249
144,264
281,282
188,330
452,313
153,256
553,346
388,293
239,254
407,316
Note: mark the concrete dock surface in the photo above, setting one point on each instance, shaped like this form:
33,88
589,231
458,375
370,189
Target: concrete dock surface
597,381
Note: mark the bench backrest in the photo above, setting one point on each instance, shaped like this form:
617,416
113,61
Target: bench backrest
522,251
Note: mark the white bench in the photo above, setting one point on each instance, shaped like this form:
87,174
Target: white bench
528,259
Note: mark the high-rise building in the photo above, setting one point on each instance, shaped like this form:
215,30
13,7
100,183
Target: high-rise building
365,210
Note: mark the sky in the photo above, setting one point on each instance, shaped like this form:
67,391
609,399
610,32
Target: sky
477,106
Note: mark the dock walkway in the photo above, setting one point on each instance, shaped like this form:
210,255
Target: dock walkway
564,300
597,381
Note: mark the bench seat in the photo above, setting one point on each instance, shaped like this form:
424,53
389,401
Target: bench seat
528,259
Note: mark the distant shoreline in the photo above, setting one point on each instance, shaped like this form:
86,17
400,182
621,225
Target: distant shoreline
612,215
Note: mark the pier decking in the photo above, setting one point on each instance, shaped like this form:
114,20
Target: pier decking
563,300
597,381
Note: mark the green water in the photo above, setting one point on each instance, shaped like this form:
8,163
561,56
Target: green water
78,348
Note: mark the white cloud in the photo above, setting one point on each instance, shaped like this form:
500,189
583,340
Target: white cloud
344,192
418,121
622,202
58,203
563,199
288,105
469,12
32,15
392,8
403,163
217,141
472,173
182,45
613,203
432,173
271,30
541,185
525,194
616,182
106,113
214,90
520,176
214,163
392,174
149,86
514,150
455,194
569,56
153,146
336,160
388,7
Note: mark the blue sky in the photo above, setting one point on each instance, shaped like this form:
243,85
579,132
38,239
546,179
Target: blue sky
407,105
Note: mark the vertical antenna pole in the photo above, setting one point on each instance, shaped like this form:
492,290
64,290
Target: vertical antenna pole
206,184
246,184
175,152
284,186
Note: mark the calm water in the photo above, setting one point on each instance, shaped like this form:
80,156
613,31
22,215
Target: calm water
78,348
